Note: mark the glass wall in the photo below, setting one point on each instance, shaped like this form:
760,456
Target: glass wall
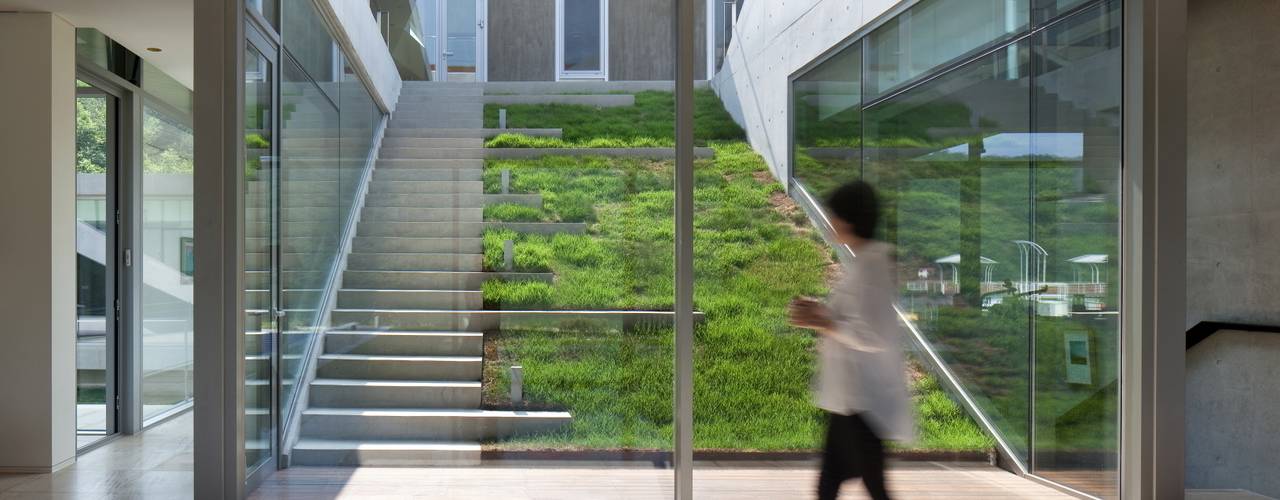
401,22
1000,183
260,297
933,32
826,111
167,260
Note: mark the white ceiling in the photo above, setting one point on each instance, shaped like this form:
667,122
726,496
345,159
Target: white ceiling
136,24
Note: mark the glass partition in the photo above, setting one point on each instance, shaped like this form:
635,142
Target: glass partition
261,300
935,32
826,114
1077,222
167,260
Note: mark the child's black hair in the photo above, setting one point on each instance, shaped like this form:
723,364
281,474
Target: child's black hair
856,203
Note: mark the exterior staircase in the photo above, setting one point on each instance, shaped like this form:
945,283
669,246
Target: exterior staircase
398,382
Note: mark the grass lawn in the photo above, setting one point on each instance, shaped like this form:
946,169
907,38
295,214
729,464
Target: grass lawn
650,123
754,251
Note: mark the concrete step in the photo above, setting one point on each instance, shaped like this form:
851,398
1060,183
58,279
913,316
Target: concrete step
476,132
419,97
380,187
415,262
412,93
351,393
410,299
465,425
417,319
414,280
429,163
423,229
439,119
432,142
260,280
401,343
392,153
292,341
399,367
399,453
376,244
459,200
592,100
435,107
261,298
409,214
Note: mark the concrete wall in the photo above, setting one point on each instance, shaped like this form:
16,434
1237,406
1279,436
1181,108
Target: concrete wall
1233,242
522,40
1233,162
642,41
1232,412
358,33
37,198
771,40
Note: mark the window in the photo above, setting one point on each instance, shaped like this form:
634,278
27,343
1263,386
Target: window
582,39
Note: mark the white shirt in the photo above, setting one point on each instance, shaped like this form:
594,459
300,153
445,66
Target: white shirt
861,368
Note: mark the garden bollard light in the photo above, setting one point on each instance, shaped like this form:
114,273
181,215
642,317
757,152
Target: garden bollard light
502,118
517,384
506,181
509,255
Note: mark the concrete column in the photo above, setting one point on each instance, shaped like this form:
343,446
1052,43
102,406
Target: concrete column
38,253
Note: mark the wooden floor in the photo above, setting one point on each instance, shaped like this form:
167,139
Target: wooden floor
711,481
157,464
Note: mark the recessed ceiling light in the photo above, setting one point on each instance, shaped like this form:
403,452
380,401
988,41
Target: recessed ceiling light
153,49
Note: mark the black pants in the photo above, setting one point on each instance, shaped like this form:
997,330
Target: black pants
853,450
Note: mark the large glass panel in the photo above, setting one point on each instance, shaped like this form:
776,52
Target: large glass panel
269,9
357,125
461,51
1047,10
306,37
260,298
952,162
401,23
1077,151
310,212
826,118
95,268
935,32
581,32
167,260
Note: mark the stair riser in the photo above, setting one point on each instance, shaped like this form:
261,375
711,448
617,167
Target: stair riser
405,214
423,229
353,396
414,262
261,299
465,200
410,299
431,142
432,153
414,281
418,320
386,458
426,427
381,187
407,163
434,175
363,369
404,345
417,245
261,280
290,342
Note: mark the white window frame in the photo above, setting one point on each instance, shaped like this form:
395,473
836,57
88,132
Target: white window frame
603,74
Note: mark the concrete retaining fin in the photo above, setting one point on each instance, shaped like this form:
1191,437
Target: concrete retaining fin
655,153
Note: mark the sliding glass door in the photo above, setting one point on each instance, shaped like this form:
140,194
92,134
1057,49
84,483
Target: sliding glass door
97,303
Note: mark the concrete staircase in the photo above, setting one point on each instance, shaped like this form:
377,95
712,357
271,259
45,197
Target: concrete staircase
403,387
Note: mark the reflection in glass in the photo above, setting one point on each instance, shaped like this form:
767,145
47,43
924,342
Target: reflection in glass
167,261
261,330
1077,221
582,35
402,26
268,8
461,49
827,123
95,228
951,159
935,32
310,209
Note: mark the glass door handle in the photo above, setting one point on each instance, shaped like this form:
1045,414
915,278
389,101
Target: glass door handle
448,53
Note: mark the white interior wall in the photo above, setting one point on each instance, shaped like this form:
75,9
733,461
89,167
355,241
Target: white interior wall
771,40
37,196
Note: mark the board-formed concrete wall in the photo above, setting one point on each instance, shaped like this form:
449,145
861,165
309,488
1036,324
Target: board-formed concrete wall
522,40
771,40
